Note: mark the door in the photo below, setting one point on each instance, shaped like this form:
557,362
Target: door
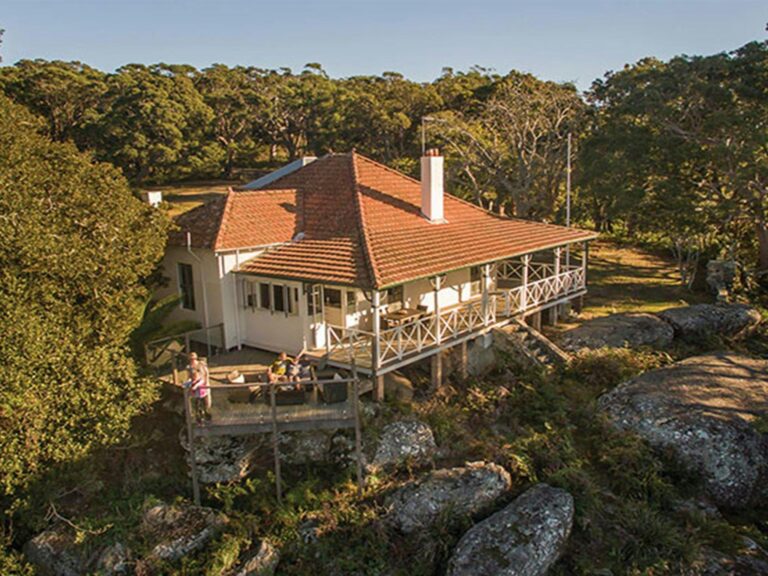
316,317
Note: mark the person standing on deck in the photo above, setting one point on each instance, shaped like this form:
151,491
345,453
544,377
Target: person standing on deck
201,391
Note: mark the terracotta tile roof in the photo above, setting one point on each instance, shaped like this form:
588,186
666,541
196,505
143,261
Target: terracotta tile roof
240,220
404,245
363,226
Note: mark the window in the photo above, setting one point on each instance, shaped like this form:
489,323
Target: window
265,302
314,300
186,286
332,297
250,299
475,276
351,301
278,290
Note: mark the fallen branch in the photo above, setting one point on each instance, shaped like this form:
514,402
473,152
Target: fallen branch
53,513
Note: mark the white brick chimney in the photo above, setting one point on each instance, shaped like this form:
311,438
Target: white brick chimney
432,186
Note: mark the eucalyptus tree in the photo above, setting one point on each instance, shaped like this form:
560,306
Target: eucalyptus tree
155,125
700,123
66,94
510,148
229,94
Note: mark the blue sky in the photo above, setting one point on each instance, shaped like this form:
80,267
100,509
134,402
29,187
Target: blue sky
558,40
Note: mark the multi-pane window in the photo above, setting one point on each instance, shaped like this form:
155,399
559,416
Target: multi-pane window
278,291
314,300
332,297
186,286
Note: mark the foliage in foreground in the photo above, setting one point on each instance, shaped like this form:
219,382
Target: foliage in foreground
542,428
75,249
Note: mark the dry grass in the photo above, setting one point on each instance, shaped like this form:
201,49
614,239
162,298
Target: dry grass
184,196
625,278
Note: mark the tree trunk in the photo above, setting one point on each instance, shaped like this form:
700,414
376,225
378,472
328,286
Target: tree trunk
762,246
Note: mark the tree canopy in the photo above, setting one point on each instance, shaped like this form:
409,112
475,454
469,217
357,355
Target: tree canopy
75,250
671,150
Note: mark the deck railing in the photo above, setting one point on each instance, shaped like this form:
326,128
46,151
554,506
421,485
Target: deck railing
544,285
452,323
261,407
289,404
160,354
534,294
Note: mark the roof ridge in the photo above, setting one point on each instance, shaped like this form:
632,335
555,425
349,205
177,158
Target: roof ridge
299,169
361,223
388,168
228,203
264,191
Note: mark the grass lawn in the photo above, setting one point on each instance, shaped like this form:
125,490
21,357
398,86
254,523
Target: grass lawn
624,278
187,195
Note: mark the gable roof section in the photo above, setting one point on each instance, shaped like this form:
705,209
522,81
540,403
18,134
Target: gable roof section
363,226
240,220
332,249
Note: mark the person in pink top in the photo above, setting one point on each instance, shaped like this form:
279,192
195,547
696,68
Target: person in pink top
198,385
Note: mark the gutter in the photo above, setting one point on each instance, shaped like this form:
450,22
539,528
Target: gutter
202,279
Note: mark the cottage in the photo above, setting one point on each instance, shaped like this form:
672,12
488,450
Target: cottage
357,262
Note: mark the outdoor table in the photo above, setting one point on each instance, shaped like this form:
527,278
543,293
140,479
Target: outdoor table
402,316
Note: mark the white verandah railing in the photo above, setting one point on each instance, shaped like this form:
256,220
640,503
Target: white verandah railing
394,344
534,294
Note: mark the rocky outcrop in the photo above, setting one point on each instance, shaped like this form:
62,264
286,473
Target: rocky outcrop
619,331
224,458
524,539
404,440
53,553
261,561
703,410
446,494
306,447
750,561
398,387
180,530
113,560
702,321
56,552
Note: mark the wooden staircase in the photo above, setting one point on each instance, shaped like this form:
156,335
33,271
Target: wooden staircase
530,345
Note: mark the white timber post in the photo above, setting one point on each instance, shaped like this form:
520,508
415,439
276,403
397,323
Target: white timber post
378,381
558,252
486,276
524,295
438,327
584,258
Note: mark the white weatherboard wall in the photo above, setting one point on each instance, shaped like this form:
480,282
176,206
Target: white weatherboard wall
215,270
231,297
276,331
203,271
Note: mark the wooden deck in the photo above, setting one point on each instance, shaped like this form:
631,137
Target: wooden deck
256,407
233,414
